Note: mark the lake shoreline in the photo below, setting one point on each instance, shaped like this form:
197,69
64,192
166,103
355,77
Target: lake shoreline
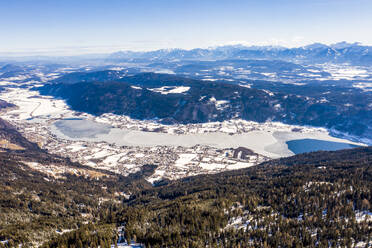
269,143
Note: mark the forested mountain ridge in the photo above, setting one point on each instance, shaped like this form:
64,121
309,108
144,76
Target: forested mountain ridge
318,199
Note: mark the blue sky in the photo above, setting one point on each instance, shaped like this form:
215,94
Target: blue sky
85,26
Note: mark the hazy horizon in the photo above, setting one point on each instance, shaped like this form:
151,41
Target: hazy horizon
101,51
69,27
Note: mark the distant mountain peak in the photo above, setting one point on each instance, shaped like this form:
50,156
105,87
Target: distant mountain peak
344,44
316,46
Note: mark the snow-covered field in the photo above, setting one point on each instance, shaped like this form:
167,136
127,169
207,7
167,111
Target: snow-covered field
170,89
364,86
346,71
31,104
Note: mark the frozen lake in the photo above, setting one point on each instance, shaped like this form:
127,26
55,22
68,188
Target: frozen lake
312,145
80,128
268,143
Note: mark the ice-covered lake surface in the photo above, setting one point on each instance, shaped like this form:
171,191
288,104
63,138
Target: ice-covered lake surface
312,145
80,128
269,143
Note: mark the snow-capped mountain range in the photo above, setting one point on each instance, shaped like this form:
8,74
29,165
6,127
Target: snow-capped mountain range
342,52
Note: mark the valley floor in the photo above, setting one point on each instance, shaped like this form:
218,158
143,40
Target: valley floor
125,144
